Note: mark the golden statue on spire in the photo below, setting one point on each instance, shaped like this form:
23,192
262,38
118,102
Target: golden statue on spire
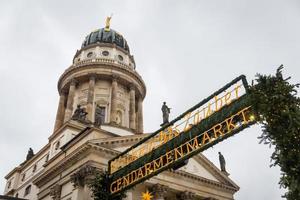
107,23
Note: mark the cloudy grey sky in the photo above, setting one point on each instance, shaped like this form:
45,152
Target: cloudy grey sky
185,50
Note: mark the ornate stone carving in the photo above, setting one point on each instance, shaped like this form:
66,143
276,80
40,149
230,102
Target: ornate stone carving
159,191
55,192
81,177
186,195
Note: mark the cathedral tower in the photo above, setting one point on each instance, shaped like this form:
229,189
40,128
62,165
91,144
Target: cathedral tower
103,81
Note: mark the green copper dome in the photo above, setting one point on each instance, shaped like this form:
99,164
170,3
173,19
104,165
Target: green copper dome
106,36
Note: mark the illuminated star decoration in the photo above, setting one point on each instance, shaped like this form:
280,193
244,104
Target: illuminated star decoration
147,196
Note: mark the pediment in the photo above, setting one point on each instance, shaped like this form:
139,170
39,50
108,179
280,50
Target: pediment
195,168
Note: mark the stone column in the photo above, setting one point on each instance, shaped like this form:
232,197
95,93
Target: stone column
140,128
186,195
69,109
90,97
80,180
159,191
114,93
60,111
132,116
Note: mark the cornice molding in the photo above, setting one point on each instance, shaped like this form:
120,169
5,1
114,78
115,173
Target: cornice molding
90,64
71,159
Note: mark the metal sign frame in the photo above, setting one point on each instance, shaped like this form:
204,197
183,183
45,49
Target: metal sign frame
183,138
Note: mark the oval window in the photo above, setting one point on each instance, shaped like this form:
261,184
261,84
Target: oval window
90,54
120,57
105,53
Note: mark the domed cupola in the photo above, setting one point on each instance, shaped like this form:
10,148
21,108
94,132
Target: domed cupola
103,82
104,35
105,44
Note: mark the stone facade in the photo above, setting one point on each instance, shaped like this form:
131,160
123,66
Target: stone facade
104,76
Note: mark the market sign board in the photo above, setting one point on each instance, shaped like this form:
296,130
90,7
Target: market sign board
219,116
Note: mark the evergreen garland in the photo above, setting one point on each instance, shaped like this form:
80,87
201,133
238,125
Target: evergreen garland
278,110
99,186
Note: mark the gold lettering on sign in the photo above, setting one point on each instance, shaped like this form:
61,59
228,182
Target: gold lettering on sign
218,103
228,98
218,130
205,138
158,164
178,153
181,152
185,124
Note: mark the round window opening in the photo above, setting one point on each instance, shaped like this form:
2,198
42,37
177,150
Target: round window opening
105,53
120,57
90,54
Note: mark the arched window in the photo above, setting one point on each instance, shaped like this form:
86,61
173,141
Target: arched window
27,190
99,115
105,53
90,54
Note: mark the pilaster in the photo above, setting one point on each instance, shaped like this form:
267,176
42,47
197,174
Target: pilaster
90,97
114,95
140,128
132,114
70,100
60,111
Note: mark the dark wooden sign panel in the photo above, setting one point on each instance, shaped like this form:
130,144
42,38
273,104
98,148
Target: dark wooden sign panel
216,118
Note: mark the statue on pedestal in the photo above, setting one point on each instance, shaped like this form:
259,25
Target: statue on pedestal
79,114
166,112
222,162
30,154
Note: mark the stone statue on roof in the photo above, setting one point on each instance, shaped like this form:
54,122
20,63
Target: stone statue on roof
166,112
222,162
30,154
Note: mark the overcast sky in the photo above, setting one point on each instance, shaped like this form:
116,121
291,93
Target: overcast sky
184,50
